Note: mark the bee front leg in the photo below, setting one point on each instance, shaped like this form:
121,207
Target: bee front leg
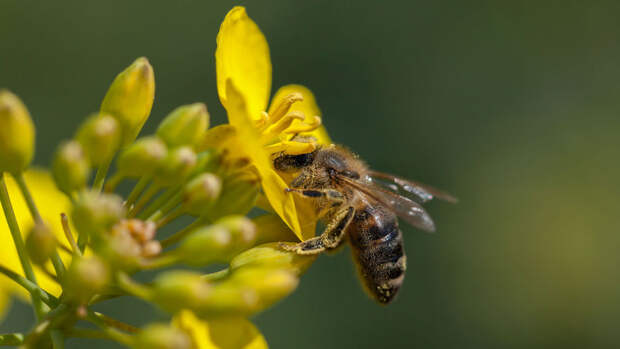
331,238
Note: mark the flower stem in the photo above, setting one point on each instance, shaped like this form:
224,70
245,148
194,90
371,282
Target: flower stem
29,286
168,196
144,199
182,233
102,172
19,245
137,190
13,339
112,333
36,216
58,340
69,235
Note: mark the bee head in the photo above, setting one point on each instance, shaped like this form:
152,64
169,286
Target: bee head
291,163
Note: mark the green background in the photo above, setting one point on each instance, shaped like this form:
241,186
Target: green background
511,105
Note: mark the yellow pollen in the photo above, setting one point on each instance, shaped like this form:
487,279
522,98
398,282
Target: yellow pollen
291,147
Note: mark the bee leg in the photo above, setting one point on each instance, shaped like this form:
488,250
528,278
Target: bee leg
329,194
331,238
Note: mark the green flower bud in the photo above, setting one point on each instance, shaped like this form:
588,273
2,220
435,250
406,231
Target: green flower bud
40,243
270,284
84,278
176,290
228,299
248,291
161,336
70,167
95,213
219,242
100,137
142,158
186,125
16,134
200,193
130,98
272,256
176,167
238,196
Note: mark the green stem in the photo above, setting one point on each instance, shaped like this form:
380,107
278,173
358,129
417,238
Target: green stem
102,172
88,333
12,339
182,233
144,199
36,216
19,244
108,321
113,182
58,340
75,249
178,212
137,190
167,207
131,287
112,333
162,200
30,286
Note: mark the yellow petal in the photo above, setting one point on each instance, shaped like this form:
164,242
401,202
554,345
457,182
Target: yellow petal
308,107
51,202
242,55
229,333
248,143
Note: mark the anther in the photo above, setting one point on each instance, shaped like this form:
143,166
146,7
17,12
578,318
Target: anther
284,106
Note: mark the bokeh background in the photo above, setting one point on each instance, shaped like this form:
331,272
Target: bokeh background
512,105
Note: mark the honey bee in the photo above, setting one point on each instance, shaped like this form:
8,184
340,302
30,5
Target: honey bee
361,206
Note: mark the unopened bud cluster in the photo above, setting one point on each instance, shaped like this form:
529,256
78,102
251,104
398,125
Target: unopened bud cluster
171,175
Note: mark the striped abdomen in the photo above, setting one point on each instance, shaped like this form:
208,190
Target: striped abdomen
377,246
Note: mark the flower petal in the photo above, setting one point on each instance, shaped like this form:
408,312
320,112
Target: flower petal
308,106
226,333
51,202
248,140
242,56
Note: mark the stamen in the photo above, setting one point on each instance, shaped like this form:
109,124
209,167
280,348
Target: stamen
291,148
263,122
282,125
305,127
284,106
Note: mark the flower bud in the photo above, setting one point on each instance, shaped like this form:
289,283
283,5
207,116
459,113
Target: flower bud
16,134
200,193
238,196
176,166
70,167
97,212
40,243
228,299
130,98
270,284
100,138
142,157
186,125
219,242
272,256
176,290
161,336
84,278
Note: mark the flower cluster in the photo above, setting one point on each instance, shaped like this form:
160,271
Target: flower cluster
76,241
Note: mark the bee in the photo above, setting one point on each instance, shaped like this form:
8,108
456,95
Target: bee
360,206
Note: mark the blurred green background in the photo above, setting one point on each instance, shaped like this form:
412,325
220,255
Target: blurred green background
511,105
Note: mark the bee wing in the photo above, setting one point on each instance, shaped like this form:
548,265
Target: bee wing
419,191
405,208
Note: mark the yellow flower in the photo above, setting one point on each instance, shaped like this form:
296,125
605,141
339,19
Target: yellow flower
51,202
243,70
222,333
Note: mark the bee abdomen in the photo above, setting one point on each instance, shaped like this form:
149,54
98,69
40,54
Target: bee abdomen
381,259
